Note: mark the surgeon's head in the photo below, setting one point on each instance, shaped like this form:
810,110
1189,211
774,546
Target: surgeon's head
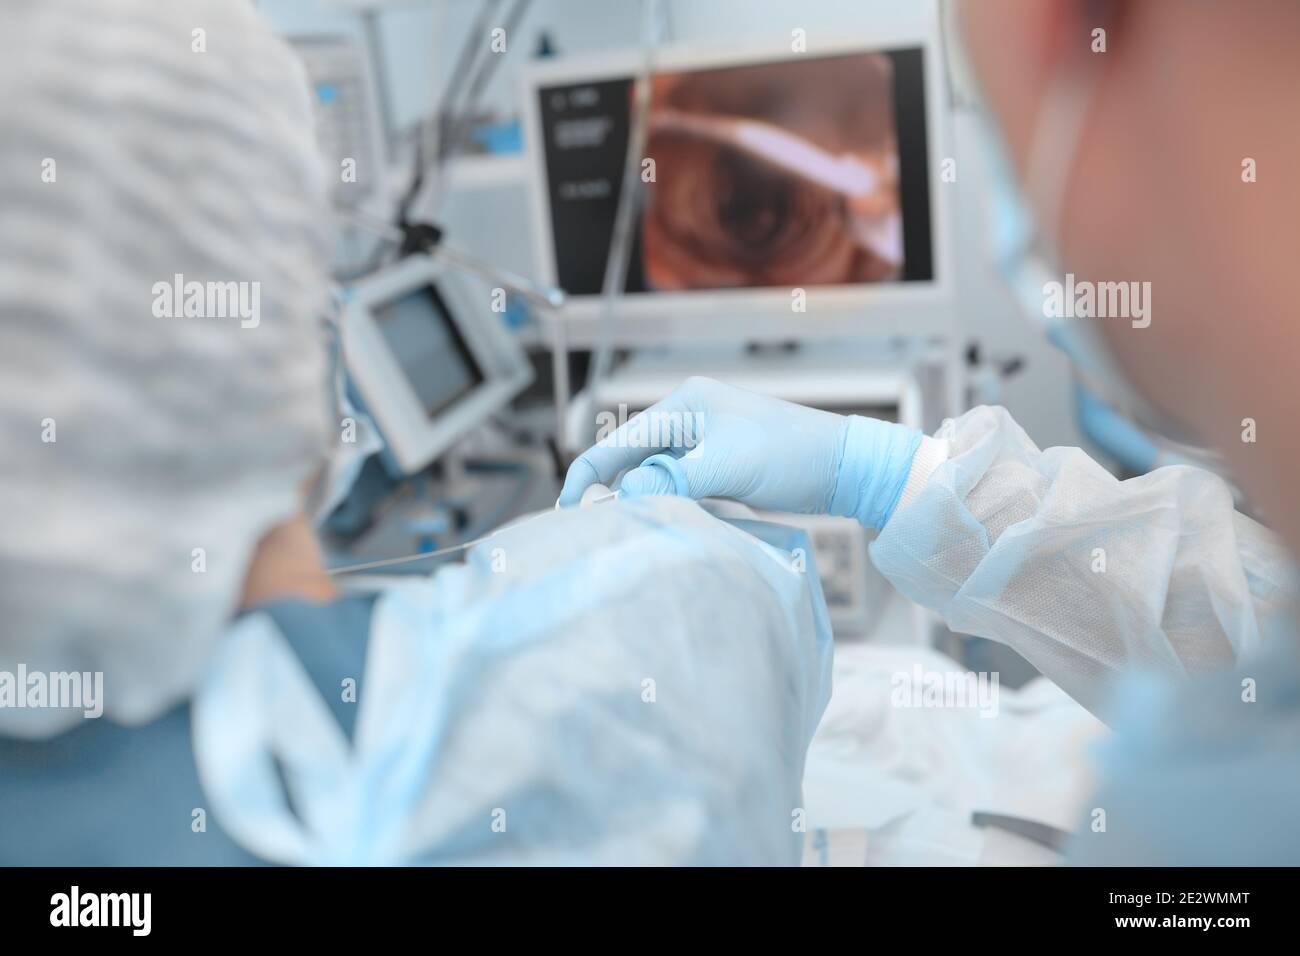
162,370
1184,176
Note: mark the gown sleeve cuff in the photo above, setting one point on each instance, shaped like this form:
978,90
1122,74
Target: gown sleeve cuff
930,454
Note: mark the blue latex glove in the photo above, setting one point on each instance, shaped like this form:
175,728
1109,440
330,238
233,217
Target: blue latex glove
762,451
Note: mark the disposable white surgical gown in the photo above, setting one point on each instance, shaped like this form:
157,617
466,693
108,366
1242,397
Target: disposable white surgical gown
1084,575
635,683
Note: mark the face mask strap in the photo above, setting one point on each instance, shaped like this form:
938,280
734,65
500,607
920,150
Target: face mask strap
1053,154
1054,149
1057,130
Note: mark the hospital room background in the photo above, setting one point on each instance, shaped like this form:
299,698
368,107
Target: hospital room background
487,204
950,785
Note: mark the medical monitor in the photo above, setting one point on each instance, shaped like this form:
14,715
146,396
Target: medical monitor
785,195
430,362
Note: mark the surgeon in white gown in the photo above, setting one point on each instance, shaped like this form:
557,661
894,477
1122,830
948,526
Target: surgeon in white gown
1145,162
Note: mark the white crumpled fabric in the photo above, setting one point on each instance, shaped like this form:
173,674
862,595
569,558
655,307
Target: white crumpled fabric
897,785
1084,575
635,683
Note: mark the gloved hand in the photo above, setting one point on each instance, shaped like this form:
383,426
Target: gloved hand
762,451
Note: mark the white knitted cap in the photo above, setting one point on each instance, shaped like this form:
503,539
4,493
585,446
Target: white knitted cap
146,451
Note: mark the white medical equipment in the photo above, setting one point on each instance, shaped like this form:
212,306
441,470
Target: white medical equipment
350,133
430,363
578,113
347,117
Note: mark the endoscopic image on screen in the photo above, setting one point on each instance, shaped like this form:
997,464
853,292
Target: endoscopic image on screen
782,173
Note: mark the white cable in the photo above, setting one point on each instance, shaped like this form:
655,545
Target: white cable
388,562
620,246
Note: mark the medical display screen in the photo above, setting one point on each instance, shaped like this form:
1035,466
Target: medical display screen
801,172
429,348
